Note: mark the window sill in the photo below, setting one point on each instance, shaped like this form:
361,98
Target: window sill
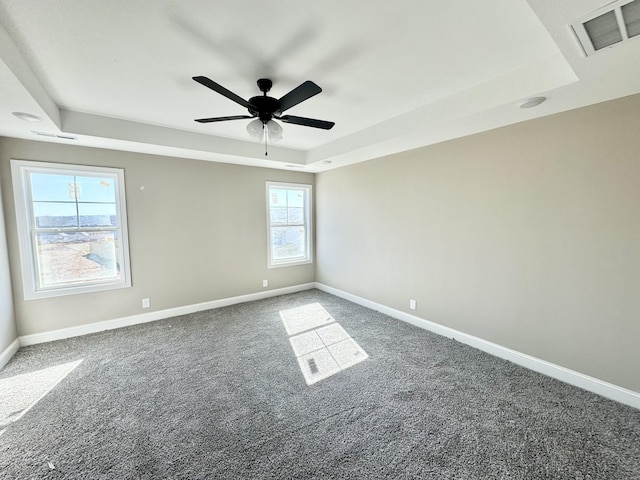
290,263
76,290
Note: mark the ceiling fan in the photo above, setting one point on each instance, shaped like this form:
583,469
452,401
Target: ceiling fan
265,109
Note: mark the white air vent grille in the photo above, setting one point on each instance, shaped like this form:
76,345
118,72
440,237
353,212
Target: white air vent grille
631,16
608,26
62,136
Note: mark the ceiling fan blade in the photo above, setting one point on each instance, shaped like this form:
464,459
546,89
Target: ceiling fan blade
299,94
223,91
221,119
307,122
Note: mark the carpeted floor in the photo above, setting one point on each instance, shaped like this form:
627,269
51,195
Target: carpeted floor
222,394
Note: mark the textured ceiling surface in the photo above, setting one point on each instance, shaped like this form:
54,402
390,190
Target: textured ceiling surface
395,75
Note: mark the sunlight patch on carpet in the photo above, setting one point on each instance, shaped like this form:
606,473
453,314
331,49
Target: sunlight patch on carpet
21,392
304,318
322,347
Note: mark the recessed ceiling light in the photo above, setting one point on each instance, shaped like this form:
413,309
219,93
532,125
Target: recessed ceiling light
532,102
27,117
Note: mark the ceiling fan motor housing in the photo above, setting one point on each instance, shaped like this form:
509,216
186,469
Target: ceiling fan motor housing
265,107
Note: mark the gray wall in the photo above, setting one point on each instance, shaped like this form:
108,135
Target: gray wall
197,232
527,236
8,331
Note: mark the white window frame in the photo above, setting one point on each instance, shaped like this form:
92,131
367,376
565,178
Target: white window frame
20,172
307,223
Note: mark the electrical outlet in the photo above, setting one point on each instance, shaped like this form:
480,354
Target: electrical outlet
412,304
145,303
265,283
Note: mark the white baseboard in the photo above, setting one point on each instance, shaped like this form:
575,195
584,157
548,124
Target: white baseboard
9,352
608,390
63,333
566,375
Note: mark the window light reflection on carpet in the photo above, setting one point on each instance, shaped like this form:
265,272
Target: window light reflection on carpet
21,392
322,347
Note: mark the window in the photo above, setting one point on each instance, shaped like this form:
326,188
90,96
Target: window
72,228
289,224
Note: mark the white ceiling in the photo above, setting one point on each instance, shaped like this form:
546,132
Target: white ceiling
395,75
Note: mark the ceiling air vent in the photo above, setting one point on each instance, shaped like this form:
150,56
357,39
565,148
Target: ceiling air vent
608,26
62,136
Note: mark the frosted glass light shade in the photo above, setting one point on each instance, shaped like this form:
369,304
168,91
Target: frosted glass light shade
255,128
274,130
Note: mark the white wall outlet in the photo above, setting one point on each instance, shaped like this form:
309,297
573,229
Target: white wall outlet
265,283
145,303
412,304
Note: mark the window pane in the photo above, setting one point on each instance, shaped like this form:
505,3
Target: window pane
72,228
52,187
288,242
76,258
277,197
289,228
278,216
55,215
96,189
295,198
296,216
97,214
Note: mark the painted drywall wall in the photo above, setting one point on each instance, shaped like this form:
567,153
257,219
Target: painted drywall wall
197,233
527,236
8,332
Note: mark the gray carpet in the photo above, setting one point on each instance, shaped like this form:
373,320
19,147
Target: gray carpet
219,394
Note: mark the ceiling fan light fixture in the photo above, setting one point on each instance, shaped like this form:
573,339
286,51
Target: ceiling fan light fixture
263,108
255,128
274,131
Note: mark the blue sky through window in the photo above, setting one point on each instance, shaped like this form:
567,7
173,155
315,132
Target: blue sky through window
46,187
55,195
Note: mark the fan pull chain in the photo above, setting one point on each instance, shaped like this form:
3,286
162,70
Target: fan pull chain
265,138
